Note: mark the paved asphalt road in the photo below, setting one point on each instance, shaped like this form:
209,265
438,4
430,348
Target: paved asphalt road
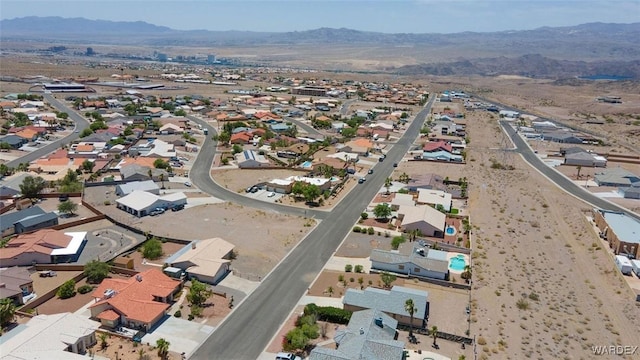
81,124
201,178
560,180
306,127
248,329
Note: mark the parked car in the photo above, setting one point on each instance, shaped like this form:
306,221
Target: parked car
271,194
287,356
370,171
254,189
187,184
177,207
63,197
157,211
395,164
362,180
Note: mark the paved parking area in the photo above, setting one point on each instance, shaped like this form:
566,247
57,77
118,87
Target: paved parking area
185,336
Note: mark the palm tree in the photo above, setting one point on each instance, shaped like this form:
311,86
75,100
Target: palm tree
162,180
330,290
7,311
410,307
141,354
163,348
434,333
103,340
387,184
466,274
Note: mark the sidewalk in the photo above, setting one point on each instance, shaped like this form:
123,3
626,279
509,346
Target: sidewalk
338,263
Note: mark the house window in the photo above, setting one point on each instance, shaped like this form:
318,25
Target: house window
416,270
400,267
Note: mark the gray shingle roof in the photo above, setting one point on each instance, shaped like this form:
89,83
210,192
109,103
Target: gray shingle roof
8,220
390,301
37,219
364,339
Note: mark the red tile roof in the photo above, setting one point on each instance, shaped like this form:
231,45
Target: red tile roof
242,137
109,315
135,297
42,241
437,145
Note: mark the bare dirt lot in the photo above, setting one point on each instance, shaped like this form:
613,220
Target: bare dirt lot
262,238
541,290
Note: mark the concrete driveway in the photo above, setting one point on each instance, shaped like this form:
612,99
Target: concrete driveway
183,335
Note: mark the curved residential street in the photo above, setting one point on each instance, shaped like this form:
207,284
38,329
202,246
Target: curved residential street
560,180
81,124
247,330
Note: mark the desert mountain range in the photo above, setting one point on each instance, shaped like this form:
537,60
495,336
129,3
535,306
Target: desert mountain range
550,52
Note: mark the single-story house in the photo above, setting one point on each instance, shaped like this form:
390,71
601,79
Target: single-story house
631,192
426,219
441,155
136,172
129,187
391,302
14,141
413,260
206,260
358,146
620,230
444,127
30,218
138,302
141,203
279,127
57,336
435,198
617,177
425,181
170,128
401,200
562,137
584,158
249,159
7,192
285,186
36,222
17,284
43,247
370,334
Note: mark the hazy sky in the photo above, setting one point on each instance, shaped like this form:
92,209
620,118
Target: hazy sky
390,16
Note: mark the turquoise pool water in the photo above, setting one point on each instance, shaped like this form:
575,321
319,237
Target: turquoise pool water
450,230
306,164
457,263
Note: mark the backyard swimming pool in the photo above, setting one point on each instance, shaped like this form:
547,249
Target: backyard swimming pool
450,230
457,263
306,164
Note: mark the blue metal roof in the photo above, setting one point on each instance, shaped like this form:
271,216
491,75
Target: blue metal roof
627,229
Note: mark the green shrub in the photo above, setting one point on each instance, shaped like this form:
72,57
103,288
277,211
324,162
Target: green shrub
352,279
364,216
370,231
348,268
328,313
178,313
357,229
85,289
67,290
359,268
396,241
